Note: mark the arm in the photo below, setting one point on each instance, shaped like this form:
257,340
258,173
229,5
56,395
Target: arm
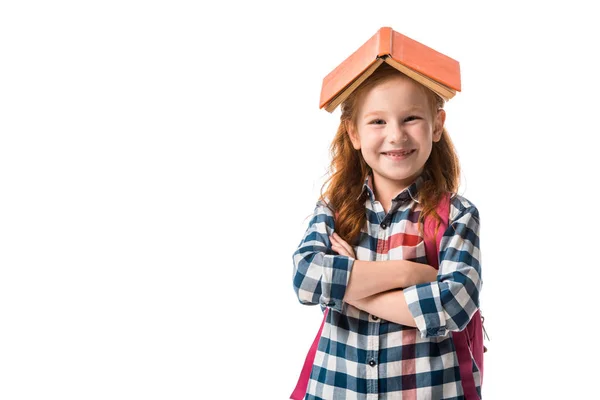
368,279
449,303
390,306
321,276
372,277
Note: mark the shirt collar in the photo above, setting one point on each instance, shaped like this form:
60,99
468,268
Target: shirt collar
367,186
412,190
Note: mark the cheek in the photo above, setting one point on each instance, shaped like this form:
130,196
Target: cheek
427,147
426,138
372,142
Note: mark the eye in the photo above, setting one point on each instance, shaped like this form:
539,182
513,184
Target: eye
411,118
377,122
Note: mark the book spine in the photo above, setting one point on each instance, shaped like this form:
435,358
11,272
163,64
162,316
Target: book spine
384,41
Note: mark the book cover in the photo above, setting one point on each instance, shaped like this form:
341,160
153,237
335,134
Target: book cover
427,66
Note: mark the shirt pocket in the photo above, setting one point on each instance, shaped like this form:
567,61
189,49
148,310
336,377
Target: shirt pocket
403,246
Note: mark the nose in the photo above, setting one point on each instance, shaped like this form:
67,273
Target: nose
397,134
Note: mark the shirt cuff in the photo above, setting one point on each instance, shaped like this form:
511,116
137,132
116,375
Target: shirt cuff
424,304
336,273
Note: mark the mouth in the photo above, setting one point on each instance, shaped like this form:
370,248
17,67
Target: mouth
400,154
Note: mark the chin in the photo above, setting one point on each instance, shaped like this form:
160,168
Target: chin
399,177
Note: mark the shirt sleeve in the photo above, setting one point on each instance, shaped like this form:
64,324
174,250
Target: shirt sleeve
320,274
449,303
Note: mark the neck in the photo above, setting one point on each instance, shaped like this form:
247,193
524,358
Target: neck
386,189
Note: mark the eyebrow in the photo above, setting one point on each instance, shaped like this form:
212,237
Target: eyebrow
373,113
378,112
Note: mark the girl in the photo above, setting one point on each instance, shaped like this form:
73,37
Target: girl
388,329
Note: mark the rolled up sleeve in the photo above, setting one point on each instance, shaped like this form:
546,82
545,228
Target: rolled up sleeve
448,304
320,275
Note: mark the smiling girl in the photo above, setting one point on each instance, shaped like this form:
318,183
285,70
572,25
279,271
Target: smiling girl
387,334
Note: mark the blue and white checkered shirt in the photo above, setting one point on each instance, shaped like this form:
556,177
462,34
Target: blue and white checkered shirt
361,356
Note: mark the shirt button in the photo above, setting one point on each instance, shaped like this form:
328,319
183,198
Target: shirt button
372,362
374,317
384,225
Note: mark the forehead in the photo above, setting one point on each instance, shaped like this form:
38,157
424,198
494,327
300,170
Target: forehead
395,93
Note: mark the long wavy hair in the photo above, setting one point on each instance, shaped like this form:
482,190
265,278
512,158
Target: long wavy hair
348,169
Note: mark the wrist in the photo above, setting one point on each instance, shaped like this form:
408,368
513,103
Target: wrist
405,273
416,273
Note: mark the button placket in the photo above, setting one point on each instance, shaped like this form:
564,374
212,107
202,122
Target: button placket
372,356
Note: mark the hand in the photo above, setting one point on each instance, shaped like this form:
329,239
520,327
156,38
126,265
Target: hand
421,273
340,246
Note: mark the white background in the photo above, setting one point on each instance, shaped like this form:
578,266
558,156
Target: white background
159,160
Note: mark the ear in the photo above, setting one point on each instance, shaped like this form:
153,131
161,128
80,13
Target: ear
438,125
353,134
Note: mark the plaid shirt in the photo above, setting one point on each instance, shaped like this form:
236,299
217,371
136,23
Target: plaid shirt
361,356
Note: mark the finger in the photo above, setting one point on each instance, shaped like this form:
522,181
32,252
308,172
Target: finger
342,247
335,240
344,244
344,252
340,250
335,244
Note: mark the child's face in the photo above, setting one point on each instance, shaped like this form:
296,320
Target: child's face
395,116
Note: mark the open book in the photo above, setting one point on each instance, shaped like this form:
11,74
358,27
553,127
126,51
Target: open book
432,69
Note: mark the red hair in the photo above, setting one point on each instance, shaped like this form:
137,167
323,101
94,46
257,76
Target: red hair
348,170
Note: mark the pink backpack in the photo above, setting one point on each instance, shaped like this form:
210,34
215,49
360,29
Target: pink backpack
467,342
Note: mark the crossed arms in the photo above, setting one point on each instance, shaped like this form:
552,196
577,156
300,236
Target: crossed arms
405,292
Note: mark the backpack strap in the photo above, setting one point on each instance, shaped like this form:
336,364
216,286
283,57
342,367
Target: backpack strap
468,342
300,391
302,384
431,240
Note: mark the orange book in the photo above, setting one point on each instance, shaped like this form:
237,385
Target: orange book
432,69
